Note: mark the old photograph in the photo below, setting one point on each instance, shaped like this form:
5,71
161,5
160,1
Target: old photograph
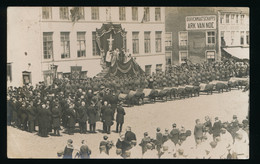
128,82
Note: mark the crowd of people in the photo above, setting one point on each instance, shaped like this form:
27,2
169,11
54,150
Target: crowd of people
67,102
210,140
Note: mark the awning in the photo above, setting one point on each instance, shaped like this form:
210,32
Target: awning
239,52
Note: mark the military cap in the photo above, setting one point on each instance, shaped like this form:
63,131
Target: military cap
174,125
70,141
158,129
146,134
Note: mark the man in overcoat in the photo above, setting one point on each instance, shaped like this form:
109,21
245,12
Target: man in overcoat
43,117
120,117
56,115
83,117
108,119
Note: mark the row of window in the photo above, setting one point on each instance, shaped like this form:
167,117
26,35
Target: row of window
81,44
210,38
210,55
232,18
64,13
243,40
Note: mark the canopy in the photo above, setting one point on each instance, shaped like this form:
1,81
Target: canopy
238,52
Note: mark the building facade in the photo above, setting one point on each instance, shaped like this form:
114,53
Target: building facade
197,32
42,37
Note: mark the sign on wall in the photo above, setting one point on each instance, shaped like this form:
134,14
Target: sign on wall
206,22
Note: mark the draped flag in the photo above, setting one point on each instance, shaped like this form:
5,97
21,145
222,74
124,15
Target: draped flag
129,68
75,72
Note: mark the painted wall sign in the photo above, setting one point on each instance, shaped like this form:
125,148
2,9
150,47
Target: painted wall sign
206,22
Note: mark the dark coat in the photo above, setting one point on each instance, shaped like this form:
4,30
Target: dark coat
43,117
159,138
198,131
71,113
129,136
31,114
120,115
108,116
56,114
123,145
84,152
174,135
82,114
216,128
92,115
68,152
23,113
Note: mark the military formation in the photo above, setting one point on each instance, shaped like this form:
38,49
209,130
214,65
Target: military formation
210,140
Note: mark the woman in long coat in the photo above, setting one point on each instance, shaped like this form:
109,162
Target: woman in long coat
120,117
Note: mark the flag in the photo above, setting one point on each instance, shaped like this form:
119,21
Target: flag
75,72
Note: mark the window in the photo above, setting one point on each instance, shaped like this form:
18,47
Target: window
64,13
227,18
46,13
108,13
146,17
211,37
222,18
242,37
94,45
210,55
168,57
158,41
148,70
158,14
26,77
158,67
168,39
134,13
121,13
94,13
81,44
135,39
236,18
222,36
183,38
232,18
65,44
247,37
147,42
47,45
81,13
242,19
9,72
232,37
183,55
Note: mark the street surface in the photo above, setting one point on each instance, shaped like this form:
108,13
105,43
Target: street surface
145,118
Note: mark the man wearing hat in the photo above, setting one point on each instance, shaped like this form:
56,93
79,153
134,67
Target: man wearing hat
120,113
91,113
83,117
216,128
174,134
43,117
